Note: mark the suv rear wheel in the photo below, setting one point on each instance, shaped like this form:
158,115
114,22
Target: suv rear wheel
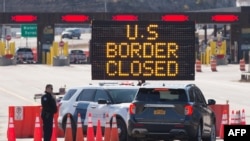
198,135
122,129
212,136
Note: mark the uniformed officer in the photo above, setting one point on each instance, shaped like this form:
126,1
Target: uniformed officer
49,108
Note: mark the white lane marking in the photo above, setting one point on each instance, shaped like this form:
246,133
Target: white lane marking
18,96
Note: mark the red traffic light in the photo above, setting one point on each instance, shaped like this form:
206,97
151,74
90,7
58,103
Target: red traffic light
175,18
74,18
126,17
24,18
225,18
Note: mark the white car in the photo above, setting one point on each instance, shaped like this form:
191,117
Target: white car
71,33
97,100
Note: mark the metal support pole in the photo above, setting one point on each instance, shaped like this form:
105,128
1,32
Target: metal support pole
225,31
3,5
26,41
205,34
105,6
215,30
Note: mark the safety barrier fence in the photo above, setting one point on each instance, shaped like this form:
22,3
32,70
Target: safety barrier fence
218,110
36,132
24,119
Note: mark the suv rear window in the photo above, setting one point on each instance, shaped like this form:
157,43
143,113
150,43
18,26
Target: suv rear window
170,95
24,50
77,51
69,94
122,95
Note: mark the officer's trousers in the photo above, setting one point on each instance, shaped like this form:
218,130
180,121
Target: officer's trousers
47,128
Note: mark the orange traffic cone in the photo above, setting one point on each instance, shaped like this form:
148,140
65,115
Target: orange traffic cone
242,65
107,129
68,132
79,130
90,130
224,121
237,117
213,63
11,134
98,136
198,65
54,132
37,130
243,118
232,122
114,136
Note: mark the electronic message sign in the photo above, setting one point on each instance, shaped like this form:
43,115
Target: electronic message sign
150,50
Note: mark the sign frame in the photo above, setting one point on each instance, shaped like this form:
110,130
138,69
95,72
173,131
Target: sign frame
164,50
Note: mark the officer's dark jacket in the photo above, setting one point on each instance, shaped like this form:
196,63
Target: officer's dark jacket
48,104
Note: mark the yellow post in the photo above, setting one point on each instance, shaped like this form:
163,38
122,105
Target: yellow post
12,48
52,54
213,47
43,58
66,49
48,58
7,47
224,47
56,48
208,55
201,57
2,48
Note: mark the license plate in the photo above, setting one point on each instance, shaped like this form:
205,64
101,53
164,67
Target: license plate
159,112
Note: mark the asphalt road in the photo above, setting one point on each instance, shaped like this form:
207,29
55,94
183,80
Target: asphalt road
19,83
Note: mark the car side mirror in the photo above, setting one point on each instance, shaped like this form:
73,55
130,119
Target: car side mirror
102,101
211,102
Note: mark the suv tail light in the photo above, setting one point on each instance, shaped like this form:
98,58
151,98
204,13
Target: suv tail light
132,109
188,110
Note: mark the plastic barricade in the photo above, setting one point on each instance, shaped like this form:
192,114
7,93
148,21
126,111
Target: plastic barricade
218,110
24,120
34,51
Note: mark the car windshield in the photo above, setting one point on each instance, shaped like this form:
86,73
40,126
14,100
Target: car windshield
122,95
69,30
69,94
77,51
170,95
24,50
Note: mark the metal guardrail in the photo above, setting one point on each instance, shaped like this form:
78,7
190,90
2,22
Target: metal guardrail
62,91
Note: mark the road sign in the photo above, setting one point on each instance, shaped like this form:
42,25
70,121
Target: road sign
61,43
29,30
8,37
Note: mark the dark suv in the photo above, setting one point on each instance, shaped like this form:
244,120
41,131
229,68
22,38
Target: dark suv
24,55
71,33
171,112
77,57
